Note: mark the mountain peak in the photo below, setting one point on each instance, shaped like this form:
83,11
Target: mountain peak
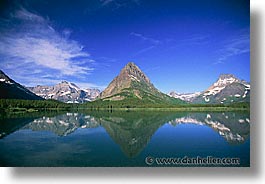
225,79
128,76
227,76
1,72
67,83
129,73
64,81
130,64
10,89
134,73
3,76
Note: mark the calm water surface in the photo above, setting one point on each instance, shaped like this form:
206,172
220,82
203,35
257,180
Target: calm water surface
121,138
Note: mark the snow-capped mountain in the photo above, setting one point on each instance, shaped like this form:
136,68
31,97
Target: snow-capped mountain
92,93
227,89
223,81
66,92
9,89
188,97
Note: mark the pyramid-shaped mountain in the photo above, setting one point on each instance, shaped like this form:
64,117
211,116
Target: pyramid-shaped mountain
9,89
131,84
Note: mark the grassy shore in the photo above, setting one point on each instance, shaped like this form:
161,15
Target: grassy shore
180,109
23,110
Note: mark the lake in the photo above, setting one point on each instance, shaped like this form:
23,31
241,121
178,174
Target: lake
121,138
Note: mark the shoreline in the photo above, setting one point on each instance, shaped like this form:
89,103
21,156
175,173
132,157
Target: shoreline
177,109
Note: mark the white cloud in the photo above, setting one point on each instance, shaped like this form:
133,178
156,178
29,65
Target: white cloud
29,39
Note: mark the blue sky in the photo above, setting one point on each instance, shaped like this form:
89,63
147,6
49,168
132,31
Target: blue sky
181,45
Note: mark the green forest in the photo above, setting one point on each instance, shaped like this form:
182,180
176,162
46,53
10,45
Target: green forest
17,105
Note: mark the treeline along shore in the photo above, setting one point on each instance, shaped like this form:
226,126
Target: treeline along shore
18,105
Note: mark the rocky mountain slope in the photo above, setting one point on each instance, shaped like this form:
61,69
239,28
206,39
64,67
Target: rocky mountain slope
132,83
9,89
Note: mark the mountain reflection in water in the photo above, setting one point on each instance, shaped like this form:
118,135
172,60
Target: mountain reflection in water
132,131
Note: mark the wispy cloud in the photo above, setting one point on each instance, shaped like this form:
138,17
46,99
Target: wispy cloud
152,43
29,42
196,39
106,2
86,85
191,40
116,4
105,62
233,46
145,38
144,50
152,69
173,43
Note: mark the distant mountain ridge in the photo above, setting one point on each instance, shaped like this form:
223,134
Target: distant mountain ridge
227,89
9,89
130,85
66,92
188,97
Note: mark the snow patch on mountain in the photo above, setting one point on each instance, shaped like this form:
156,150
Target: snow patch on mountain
9,89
